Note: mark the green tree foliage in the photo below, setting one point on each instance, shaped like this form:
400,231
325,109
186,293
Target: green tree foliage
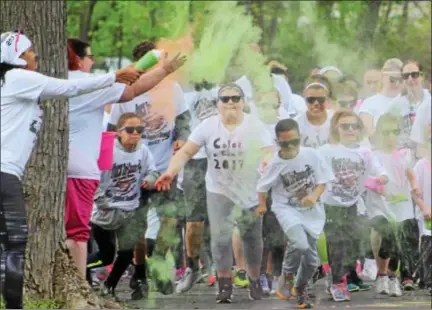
349,34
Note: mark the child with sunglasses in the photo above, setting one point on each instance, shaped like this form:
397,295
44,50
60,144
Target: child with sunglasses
296,177
118,214
391,209
351,165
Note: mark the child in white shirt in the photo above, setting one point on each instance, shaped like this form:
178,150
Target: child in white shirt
297,177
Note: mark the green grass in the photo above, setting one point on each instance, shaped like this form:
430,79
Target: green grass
36,304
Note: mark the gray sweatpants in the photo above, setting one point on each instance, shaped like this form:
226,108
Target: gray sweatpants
301,255
223,216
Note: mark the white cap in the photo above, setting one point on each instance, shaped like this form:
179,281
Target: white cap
13,45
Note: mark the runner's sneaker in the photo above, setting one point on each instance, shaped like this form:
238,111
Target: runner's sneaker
382,285
369,271
338,292
108,292
353,288
346,292
285,287
408,285
225,295
179,274
363,287
274,285
190,277
140,290
264,285
255,289
303,300
394,287
240,279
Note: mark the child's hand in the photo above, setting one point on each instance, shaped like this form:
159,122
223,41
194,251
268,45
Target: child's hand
261,210
308,201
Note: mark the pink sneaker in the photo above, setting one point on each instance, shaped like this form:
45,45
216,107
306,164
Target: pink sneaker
180,273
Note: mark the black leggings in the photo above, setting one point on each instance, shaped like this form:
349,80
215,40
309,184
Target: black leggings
13,240
106,241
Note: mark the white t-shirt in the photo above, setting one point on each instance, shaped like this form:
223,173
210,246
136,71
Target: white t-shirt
396,203
201,105
351,167
122,184
21,116
423,119
311,135
292,180
376,106
233,157
158,131
408,112
105,120
422,171
86,114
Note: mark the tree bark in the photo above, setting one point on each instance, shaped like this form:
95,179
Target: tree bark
85,22
370,23
50,274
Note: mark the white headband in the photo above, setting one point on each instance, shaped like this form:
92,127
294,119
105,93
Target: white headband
316,84
13,45
330,68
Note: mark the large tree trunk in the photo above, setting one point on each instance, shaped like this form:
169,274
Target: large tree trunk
50,273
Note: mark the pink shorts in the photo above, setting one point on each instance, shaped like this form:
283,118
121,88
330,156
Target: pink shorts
79,205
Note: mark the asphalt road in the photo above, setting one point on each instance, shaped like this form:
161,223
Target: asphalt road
201,297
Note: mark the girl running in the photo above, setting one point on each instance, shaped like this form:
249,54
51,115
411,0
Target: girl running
391,208
234,143
118,215
351,165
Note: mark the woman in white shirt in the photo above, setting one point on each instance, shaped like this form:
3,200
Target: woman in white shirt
413,96
351,165
86,114
22,89
234,143
373,107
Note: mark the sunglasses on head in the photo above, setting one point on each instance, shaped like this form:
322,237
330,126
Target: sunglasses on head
347,126
132,129
286,144
414,75
395,79
312,100
394,132
226,99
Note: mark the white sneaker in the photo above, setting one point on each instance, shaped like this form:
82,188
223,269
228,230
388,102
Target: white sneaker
382,285
189,279
395,288
274,286
370,270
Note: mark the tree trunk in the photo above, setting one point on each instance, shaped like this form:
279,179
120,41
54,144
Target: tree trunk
370,23
85,22
404,21
50,273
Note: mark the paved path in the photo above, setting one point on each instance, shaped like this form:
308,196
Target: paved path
202,297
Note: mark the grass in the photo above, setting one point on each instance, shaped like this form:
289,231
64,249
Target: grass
36,304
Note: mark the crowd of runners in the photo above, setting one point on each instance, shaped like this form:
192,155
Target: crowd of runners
226,184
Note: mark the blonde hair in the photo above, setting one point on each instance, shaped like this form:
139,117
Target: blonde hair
334,133
390,65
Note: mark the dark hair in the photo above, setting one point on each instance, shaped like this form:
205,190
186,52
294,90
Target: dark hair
323,80
78,46
141,49
124,117
203,85
286,125
3,69
415,62
231,86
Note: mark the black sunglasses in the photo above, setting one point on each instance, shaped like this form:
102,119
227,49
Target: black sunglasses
132,129
226,99
347,126
414,75
395,79
312,100
287,144
394,132
347,103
